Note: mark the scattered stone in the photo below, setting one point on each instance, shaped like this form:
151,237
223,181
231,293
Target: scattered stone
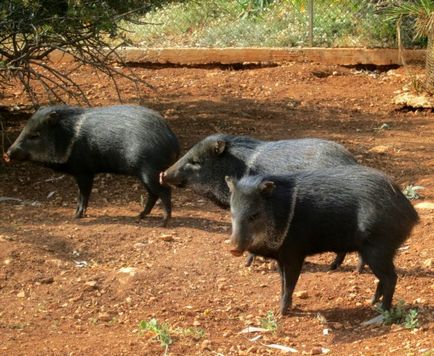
414,101
302,294
167,238
205,345
21,294
428,263
91,285
376,320
139,246
45,280
316,351
425,205
128,270
105,317
381,149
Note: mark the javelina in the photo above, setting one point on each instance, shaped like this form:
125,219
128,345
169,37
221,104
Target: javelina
205,165
344,209
129,140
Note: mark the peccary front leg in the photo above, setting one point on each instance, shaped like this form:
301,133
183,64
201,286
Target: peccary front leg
360,264
84,183
289,269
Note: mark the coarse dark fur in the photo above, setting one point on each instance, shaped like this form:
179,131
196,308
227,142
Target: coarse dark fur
124,139
205,165
344,209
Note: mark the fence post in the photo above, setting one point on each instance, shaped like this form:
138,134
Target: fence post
310,10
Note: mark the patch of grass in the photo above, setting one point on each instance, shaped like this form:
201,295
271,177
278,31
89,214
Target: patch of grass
163,332
398,315
269,322
411,191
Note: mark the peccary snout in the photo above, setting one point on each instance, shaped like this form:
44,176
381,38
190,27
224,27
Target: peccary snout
15,152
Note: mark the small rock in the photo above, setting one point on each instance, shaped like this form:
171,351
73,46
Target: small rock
381,149
425,205
91,285
338,326
46,280
302,294
21,294
196,323
128,270
205,345
414,101
105,317
316,351
139,246
167,238
428,263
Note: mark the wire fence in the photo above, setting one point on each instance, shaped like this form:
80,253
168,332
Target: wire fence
275,23
352,22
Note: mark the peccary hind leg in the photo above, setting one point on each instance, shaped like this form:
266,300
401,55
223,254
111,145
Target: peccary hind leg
155,191
289,270
84,183
338,260
382,266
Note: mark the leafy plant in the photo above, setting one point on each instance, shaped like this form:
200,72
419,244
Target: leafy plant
411,191
269,322
411,319
398,315
161,331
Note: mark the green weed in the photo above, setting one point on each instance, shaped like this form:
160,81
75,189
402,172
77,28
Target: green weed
164,332
411,191
398,315
269,322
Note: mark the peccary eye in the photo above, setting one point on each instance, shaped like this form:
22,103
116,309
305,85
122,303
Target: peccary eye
195,162
254,216
34,135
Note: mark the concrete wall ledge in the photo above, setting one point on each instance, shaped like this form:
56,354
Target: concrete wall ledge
329,56
227,56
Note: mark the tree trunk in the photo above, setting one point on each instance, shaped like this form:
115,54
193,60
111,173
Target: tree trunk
430,63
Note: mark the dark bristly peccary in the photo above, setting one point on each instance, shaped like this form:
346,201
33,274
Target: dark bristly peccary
124,139
205,165
344,209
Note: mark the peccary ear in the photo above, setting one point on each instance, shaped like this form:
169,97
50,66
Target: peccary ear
52,117
219,146
267,187
230,182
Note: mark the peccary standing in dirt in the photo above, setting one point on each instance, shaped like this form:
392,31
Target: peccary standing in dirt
344,209
129,140
205,165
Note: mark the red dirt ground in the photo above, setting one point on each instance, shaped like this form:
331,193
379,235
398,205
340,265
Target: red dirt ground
183,275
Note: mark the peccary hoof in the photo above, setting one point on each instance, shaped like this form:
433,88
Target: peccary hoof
334,266
79,215
250,259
